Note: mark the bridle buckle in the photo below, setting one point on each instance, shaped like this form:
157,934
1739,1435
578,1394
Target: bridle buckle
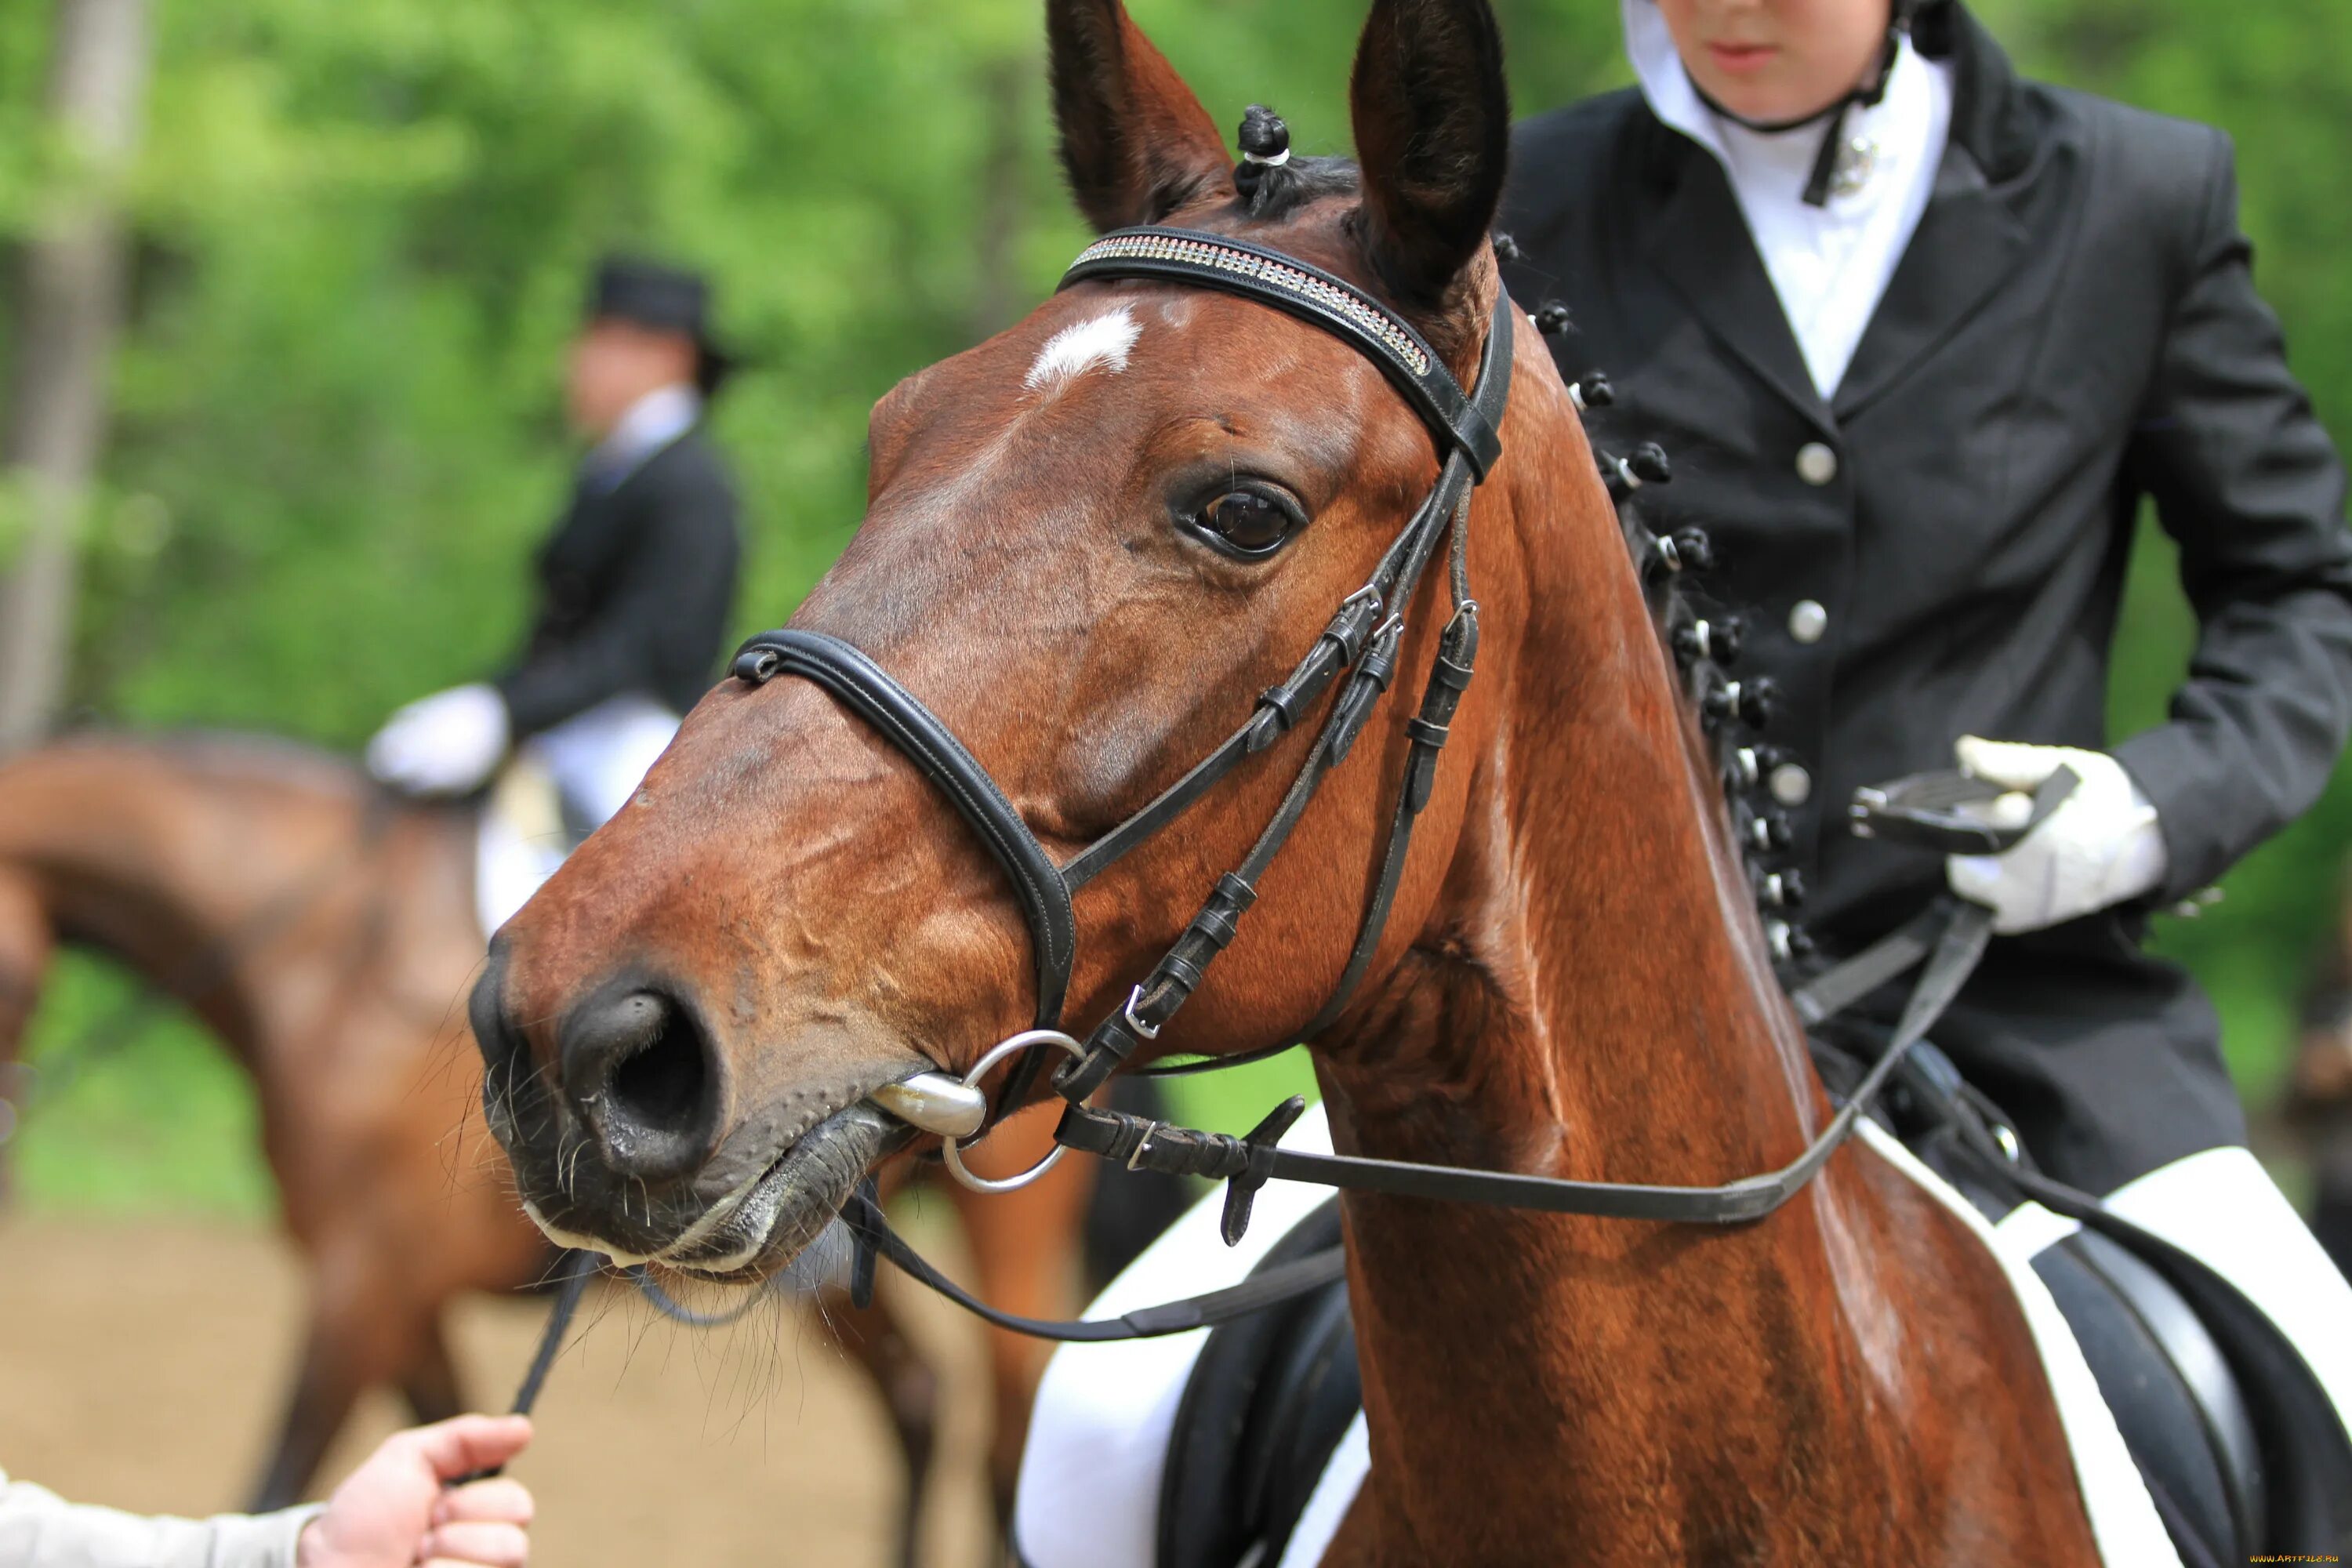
1143,1030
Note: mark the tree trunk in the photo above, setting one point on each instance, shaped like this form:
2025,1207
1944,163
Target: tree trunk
68,314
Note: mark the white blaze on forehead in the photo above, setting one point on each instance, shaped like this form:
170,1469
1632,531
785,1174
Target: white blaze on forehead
1105,342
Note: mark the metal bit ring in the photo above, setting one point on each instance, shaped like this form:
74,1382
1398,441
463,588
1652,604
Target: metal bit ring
1028,1039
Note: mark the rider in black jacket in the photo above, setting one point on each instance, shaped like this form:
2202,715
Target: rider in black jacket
1919,337
635,581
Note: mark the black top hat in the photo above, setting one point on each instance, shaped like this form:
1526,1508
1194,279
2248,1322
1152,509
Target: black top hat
666,299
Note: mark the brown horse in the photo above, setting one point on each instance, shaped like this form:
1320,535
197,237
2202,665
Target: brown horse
326,933
1089,542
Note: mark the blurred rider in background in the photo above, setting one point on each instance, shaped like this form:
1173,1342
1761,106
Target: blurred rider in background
637,582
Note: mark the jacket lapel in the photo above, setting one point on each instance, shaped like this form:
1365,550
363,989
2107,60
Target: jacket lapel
585,542
1972,236
1700,245
1967,243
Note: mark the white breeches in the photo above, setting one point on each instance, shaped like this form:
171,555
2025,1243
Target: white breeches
598,758
595,761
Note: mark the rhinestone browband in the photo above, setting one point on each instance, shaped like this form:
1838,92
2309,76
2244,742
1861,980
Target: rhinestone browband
1290,277
1237,267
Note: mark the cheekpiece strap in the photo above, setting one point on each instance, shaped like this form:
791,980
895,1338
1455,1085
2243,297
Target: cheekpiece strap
1236,267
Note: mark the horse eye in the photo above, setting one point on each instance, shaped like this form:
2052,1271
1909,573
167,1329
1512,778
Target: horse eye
1249,521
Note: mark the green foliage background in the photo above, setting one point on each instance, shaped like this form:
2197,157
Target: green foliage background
361,231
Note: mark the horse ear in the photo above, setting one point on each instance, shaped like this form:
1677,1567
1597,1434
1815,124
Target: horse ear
1135,142
1433,121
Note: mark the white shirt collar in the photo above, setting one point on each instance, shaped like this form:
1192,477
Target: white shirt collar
1829,266
648,424
1901,112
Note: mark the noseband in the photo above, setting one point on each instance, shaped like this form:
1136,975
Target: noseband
1361,641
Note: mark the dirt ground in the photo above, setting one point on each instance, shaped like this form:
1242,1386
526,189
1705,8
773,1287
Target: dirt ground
142,1365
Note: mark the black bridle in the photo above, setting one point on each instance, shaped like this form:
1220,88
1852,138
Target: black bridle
1361,641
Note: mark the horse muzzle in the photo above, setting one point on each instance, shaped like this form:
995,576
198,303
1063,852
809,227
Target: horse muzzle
625,1141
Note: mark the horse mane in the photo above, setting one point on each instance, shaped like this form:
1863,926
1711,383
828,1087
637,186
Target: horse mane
1700,639
1270,195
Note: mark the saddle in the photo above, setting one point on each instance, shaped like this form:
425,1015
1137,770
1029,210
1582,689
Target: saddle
1268,1401
2242,1451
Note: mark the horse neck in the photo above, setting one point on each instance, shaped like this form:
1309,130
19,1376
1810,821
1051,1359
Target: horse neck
1591,1000
174,867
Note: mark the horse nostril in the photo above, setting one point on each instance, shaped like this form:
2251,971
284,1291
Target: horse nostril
495,1035
639,1069
661,1085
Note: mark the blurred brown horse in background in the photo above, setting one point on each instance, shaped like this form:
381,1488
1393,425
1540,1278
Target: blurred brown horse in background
325,932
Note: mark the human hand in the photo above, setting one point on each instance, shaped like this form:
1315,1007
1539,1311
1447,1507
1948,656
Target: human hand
398,1509
2099,848
448,743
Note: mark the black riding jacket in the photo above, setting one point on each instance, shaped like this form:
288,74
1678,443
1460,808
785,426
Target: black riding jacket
637,585
1939,548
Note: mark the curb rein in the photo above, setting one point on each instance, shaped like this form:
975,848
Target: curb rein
1362,640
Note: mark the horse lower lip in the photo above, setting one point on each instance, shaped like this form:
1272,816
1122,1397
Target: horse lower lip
787,1194
718,1215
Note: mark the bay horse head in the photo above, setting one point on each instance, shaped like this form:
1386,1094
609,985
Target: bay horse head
1089,542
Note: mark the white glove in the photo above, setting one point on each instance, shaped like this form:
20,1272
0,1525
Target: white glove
2101,846
448,743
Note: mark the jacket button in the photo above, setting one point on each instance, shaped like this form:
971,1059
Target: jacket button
1816,464
1808,620
1792,785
